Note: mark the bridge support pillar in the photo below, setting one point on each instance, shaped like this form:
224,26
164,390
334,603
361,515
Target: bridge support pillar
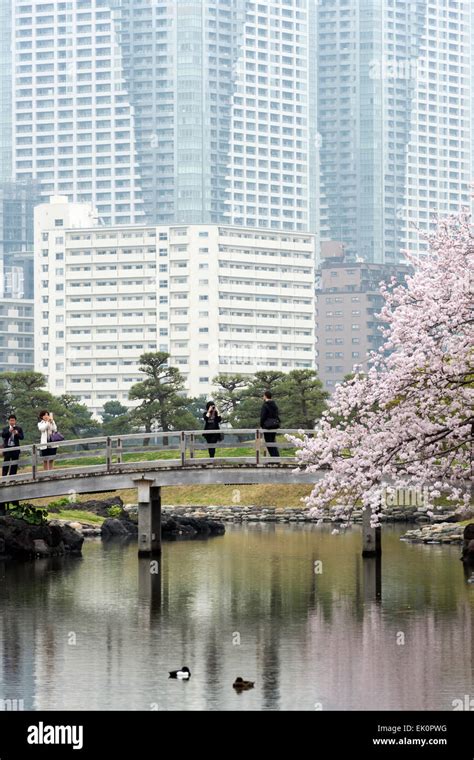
372,579
149,519
371,537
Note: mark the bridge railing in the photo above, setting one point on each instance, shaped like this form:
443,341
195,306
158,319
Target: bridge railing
151,450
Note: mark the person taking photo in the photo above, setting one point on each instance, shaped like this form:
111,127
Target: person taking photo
12,434
212,420
47,426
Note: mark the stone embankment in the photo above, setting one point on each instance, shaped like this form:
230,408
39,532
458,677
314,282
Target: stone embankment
442,527
20,540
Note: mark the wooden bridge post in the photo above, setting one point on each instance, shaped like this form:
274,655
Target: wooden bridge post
149,518
108,453
34,461
371,537
258,446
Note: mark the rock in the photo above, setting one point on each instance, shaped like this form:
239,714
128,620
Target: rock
175,527
171,528
76,525
447,517
90,531
96,506
468,534
41,548
468,543
444,533
114,527
20,540
71,539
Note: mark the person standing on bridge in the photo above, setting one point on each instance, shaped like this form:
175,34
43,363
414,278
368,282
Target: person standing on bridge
270,420
212,421
12,434
47,427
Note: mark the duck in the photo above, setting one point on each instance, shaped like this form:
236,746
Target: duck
241,684
183,673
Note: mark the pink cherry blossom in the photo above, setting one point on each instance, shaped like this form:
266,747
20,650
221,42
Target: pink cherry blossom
409,420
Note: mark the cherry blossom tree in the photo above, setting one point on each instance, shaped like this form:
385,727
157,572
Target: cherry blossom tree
408,421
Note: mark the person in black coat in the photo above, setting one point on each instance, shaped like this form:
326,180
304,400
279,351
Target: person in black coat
212,421
270,420
12,434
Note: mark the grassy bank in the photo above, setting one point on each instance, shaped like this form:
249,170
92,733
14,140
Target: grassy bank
260,496
78,515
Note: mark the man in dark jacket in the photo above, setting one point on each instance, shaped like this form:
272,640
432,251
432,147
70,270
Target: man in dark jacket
270,420
212,421
12,434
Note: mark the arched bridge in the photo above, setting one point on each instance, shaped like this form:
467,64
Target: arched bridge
149,461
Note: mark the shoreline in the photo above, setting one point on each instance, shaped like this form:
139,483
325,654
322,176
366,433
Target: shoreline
443,528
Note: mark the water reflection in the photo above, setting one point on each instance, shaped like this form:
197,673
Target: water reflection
468,566
372,571
149,588
103,631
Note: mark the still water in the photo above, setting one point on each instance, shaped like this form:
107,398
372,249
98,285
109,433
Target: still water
101,633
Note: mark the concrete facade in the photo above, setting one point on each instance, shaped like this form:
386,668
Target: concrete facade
348,301
73,125
167,112
216,298
16,335
394,113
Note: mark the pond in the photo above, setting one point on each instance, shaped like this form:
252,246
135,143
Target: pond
293,608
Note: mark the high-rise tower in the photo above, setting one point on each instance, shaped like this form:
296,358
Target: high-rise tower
394,85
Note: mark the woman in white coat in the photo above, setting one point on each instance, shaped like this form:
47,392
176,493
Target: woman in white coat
47,427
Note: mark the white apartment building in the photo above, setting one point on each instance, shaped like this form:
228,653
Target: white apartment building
16,335
217,298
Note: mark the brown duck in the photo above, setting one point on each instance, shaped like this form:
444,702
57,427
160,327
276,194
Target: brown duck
241,685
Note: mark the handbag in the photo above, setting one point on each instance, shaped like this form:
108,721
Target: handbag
271,423
56,437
